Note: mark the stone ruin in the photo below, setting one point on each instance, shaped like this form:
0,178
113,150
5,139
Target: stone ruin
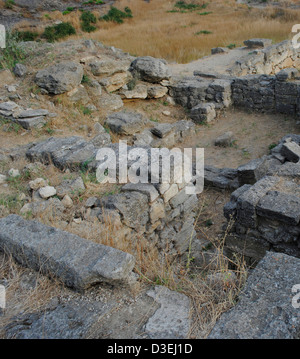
264,209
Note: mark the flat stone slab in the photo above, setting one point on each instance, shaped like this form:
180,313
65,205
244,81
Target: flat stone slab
127,123
69,152
77,262
265,309
280,206
171,320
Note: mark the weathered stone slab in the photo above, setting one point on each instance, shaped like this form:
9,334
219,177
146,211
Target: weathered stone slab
265,309
145,188
77,262
254,43
150,69
66,152
247,201
32,122
171,320
60,78
280,206
291,151
133,207
127,123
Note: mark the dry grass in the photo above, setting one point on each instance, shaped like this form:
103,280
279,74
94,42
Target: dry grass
210,298
156,31
153,31
26,291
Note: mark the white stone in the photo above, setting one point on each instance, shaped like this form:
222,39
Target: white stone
46,192
38,183
13,172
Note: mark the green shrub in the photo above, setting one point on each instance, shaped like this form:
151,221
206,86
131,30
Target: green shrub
93,2
13,53
191,7
117,15
26,35
8,4
203,32
59,31
87,19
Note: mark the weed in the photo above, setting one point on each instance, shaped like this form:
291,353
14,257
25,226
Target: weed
8,4
203,32
13,53
59,31
26,35
87,19
231,46
117,15
85,79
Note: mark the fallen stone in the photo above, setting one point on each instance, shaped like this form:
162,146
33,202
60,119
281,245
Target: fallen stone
20,70
133,207
161,130
150,69
70,152
139,92
70,186
219,50
291,151
60,78
46,192
157,91
14,172
126,123
224,140
265,309
280,206
108,67
257,43
32,122
38,183
77,262
110,102
171,320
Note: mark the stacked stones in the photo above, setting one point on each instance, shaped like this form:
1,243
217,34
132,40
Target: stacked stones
267,59
266,208
266,93
27,118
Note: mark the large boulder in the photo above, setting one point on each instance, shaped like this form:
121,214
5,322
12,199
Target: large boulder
60,78
150,69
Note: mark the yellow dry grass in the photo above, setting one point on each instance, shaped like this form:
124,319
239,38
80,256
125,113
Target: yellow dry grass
154,31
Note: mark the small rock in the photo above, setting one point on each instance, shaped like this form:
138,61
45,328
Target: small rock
67,201
3,179
13,172
46,192
20,70
225,140
38,183
166,113
11,88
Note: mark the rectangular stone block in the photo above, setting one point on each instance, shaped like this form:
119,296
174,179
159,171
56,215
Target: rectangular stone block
77,262
280,206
